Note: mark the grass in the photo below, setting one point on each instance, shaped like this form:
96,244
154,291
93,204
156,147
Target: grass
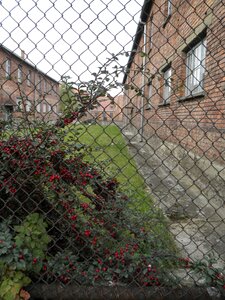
108,149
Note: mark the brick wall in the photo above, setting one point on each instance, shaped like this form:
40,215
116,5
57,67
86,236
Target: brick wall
39,100
107,110
197,123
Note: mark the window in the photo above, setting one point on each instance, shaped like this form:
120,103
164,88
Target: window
39,107
39,83
29,78
195,68
149,91
8,68
169,7
44,108
19,74
19,103
148,106
49,107
28,106
8,112
167,85
45,86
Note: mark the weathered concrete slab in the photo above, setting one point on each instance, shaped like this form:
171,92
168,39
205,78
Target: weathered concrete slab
189,189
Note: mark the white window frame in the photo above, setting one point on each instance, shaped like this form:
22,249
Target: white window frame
20,73
169,7
19,103
49,107
149,104
195,69
167,85
38,107
149,91
29,77
7,68
44,107
39,83
28,105
45,86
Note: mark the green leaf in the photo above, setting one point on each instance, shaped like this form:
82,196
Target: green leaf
143,54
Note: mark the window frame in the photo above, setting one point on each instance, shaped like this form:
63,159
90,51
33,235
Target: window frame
38,107
28,105
8,68
167,84
44,108
29,77
149,102
167,12
45,86
20,74
39,85
195,68
49,107
19,104
169,8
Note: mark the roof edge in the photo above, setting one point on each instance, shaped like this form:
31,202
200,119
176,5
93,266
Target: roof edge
146,8
4,48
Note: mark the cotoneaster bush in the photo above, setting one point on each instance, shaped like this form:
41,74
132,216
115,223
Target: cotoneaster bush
69,222
91,235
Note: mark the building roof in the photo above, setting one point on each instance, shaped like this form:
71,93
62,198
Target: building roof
10,52
140,29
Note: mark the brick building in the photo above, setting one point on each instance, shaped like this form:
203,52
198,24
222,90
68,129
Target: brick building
108,109
24,88
180,75
104,111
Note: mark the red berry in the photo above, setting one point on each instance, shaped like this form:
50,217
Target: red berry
35,260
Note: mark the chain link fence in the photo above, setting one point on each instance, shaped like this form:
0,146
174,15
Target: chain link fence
112,149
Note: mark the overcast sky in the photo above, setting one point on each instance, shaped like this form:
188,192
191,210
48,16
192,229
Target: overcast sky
69,37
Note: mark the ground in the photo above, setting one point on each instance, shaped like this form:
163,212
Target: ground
190,191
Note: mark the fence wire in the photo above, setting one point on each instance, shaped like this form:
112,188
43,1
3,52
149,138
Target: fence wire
112,149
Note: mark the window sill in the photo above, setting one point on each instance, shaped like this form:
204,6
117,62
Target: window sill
166,21
192,97
164,104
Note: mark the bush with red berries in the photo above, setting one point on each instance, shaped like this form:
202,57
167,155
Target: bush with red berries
63,219
90,233
94,237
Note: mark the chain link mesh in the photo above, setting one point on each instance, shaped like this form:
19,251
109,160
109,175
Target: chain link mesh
112,149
